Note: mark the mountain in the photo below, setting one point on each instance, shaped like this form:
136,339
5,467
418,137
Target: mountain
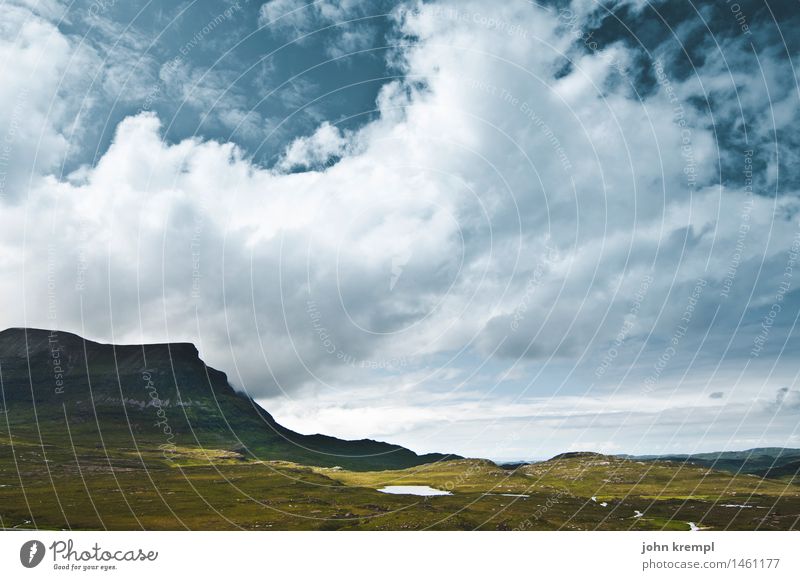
761,461
58,388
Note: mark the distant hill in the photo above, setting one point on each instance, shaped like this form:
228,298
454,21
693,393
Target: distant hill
788,469
577,455
59,388
762,461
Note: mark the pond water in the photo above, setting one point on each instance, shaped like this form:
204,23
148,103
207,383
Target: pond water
413,490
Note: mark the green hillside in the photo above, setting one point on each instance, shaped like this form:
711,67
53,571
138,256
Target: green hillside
58,387
763,461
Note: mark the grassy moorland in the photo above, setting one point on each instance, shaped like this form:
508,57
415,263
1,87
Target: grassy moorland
148,437
56,487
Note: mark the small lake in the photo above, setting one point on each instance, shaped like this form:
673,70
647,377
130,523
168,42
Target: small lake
413,490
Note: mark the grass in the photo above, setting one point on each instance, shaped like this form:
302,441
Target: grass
205,488
90,457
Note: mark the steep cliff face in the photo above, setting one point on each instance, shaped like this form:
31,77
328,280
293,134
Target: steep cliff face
61,387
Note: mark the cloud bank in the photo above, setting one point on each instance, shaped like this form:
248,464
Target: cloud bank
539,231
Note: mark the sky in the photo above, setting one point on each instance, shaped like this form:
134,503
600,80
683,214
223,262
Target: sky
503,230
